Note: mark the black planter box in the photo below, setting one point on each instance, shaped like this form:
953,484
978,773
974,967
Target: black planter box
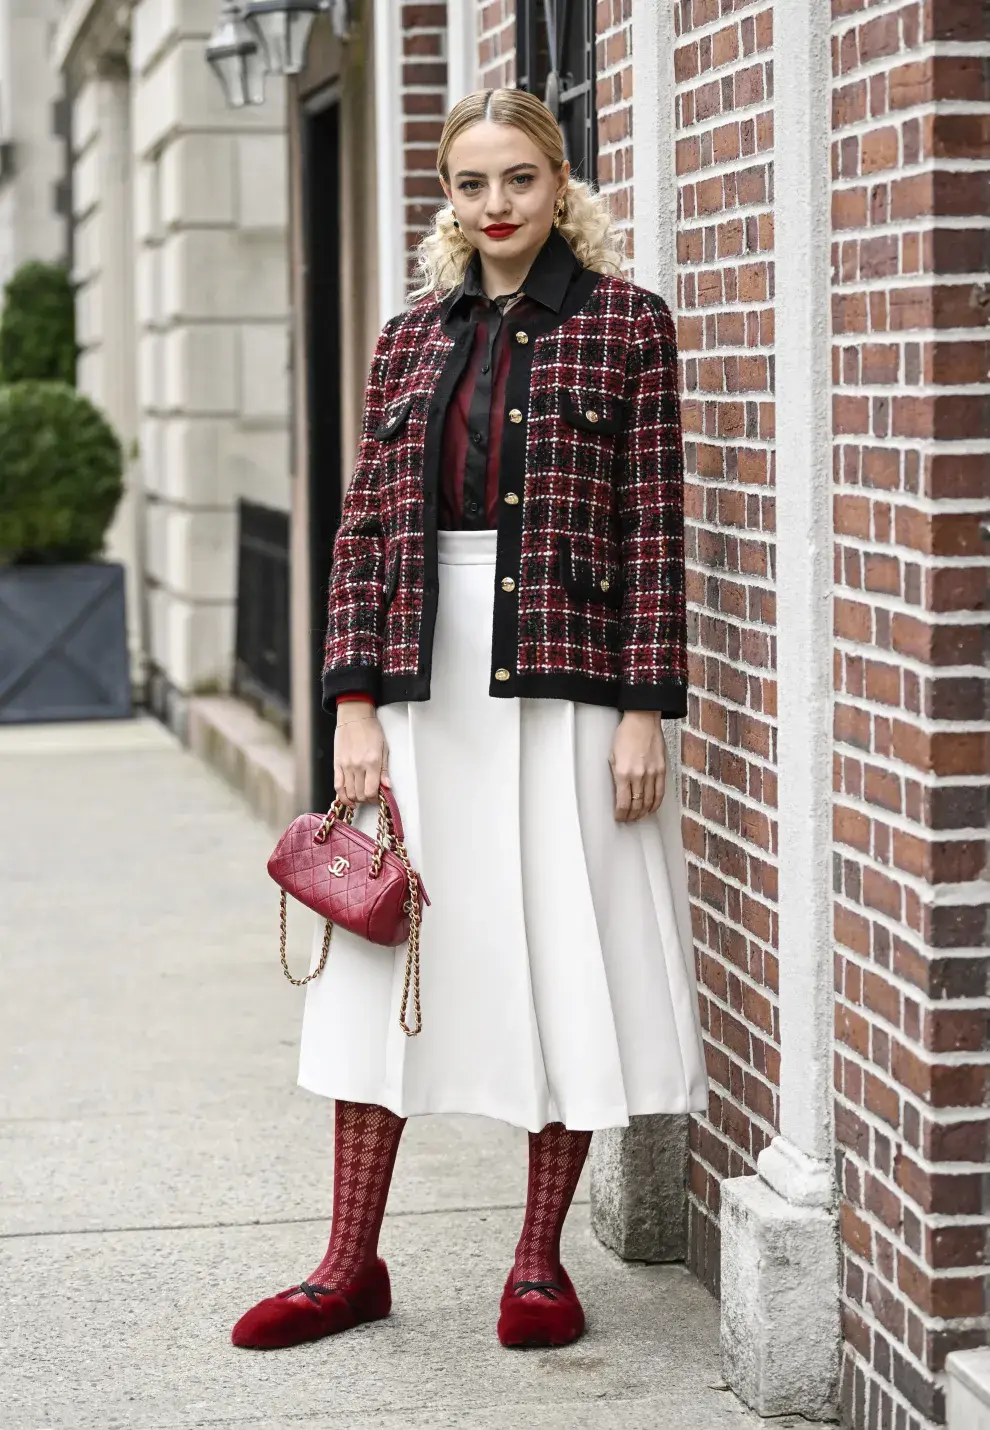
63,643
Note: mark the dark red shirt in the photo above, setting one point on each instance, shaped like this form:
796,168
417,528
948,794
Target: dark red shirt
472,434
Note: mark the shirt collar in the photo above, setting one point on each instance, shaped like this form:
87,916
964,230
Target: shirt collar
547,281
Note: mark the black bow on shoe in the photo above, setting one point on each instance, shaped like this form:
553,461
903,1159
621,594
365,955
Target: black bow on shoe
545,1288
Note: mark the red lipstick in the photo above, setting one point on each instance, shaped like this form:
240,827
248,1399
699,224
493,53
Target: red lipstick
500,230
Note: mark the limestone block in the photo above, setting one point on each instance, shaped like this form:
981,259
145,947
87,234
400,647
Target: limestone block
780,1306
968,1375
155,519
214,461
85,115
156,24
262,181
264,372
638,1203
91,375
201,554
200,369
147,199
198,186
200,646
151,449
86,182
151,370
260,461
85,249
89,313
148,286
217,273
180,93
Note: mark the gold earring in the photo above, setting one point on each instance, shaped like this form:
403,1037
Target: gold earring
558,213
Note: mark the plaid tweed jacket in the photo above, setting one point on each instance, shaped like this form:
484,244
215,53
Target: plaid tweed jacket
588,600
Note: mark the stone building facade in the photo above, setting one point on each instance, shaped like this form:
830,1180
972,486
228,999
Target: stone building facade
180,253
807,186
33,143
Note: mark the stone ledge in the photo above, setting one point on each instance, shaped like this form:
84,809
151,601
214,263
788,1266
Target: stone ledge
968,1375
248,752
780,1303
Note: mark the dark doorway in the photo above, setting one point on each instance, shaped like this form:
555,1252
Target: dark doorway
320,126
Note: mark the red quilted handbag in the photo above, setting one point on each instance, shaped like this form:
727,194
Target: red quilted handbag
365,885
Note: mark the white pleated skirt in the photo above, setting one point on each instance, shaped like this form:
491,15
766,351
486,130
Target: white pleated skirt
558,979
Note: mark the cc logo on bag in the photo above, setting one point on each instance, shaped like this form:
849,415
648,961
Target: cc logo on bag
339,866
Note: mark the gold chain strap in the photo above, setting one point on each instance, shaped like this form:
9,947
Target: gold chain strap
327,934
386,839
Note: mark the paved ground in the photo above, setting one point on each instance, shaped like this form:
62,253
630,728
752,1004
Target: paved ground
160,1170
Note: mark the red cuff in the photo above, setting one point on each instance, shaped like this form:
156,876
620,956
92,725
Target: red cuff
355,696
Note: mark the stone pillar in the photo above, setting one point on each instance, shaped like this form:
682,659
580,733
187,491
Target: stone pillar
780,1312
638,1187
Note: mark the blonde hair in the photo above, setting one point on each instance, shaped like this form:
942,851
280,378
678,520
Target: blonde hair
444,253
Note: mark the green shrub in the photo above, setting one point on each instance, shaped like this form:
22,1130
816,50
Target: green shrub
38,326
61,474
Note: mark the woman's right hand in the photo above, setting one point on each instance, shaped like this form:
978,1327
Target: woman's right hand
360,754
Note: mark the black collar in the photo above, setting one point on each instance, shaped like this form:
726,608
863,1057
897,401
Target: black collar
551,274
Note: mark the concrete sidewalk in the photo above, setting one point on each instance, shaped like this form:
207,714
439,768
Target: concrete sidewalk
160,1170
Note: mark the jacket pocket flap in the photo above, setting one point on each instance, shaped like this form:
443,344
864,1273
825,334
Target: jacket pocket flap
394,421
593,413
585,581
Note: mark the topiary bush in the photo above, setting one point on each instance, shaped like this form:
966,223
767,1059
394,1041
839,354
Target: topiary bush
38,326
61,474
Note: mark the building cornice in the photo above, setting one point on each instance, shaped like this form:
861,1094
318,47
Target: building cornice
90,34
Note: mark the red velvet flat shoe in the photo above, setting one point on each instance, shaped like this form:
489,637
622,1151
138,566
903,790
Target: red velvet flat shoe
556,1319
278,1321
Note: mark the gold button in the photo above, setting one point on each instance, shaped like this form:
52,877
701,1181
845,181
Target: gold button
515,415
604,583
522,338
511,499
502,673
591,415
508,584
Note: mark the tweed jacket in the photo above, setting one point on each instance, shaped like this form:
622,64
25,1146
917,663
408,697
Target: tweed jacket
588,600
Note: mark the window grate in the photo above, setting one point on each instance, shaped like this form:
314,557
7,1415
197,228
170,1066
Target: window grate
261,666
555,58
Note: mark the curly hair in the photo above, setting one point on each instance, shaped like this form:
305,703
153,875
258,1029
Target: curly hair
444,253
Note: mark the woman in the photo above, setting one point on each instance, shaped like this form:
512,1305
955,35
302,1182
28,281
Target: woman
506,632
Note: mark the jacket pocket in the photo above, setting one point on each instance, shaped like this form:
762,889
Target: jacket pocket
392,578
593,413
584,580
394,422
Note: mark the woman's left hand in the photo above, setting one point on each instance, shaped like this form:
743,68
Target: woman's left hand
639,765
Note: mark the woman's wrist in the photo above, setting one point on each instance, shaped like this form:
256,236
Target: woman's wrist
354,707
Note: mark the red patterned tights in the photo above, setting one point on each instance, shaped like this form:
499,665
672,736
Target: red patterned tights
556,1158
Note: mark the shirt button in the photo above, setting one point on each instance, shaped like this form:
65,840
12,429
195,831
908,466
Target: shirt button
472,508
511,499
486,367
502,673
477,438
522,338
508,584
515,415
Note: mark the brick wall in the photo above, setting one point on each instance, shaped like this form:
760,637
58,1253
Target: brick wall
613,97
911,423
723,68
496,44
424,105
